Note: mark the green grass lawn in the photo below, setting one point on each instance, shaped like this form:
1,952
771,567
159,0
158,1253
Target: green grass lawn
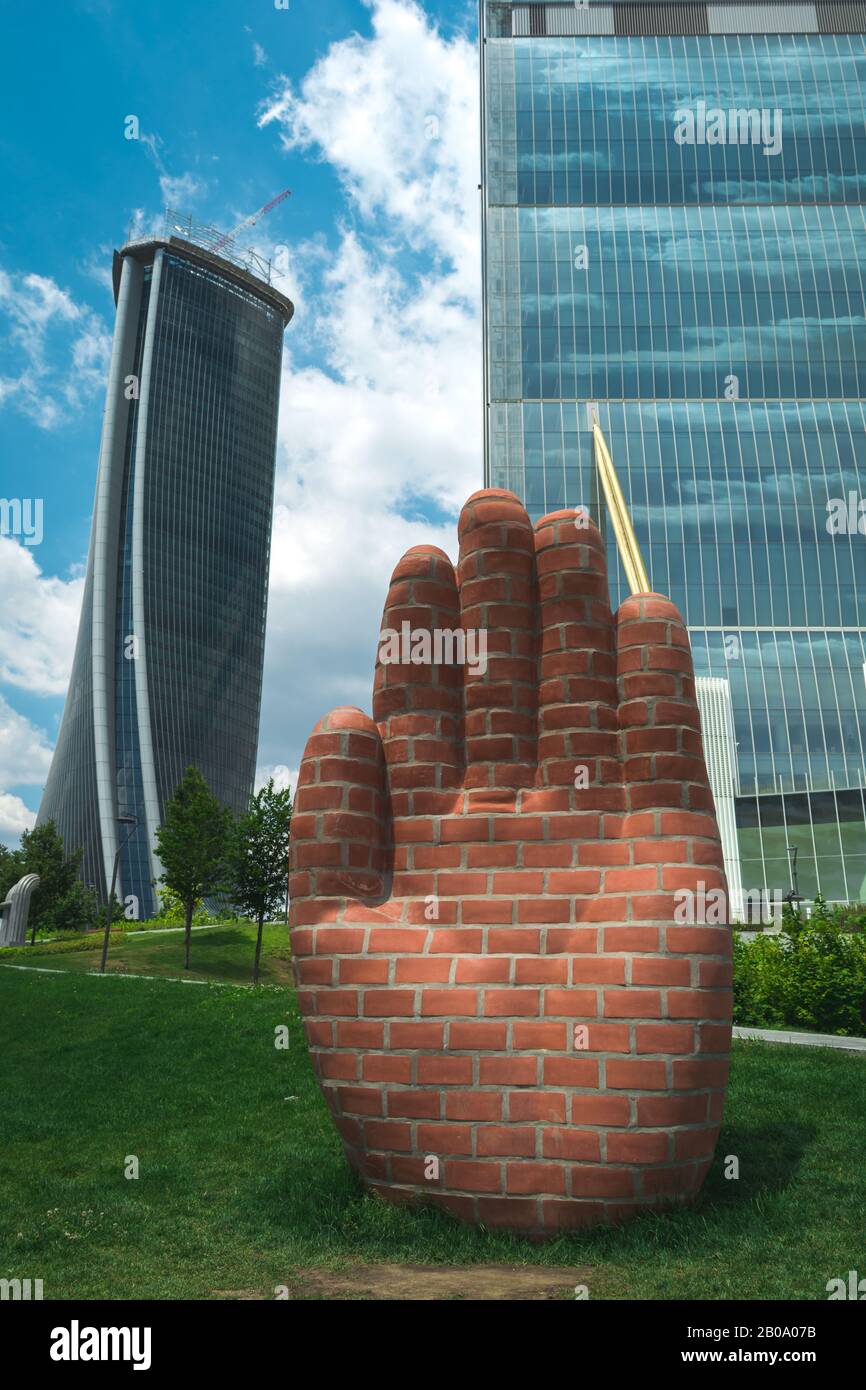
222,953
242,1183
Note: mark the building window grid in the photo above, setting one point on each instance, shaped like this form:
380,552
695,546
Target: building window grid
849,427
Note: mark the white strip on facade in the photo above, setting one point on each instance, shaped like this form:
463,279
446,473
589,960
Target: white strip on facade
720,750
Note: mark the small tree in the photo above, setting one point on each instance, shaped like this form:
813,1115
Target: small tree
259,862
193,843
11,870
61,901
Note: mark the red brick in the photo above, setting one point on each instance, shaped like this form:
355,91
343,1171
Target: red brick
541,1036
445,1139
492,1036
715,1037
444,1071
387,1067
388,1134
632,1003
514,1213
600,1110
338,1066
570,1003
422,970
416,1034
660,970
415,1105
541,970
665,1037
473,1177
456,941
631,939
599,970
474,1105
535,1177
511,1003
396,940
456,1002
690,1075
508,1071
671,1110
364,972
635,1075
566,1216
536,1105
389,1003
571,1144
514,940
629,1146
360,1100
602,1182
713,941
360,1033
570,1071
482,970
502,1141
543,910
699,1003
696,1143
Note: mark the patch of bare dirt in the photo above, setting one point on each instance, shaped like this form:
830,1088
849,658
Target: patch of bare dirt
435,1283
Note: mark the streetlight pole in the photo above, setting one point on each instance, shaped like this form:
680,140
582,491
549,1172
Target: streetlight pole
132,822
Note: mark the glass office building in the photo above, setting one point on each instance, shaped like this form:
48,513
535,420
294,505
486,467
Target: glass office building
168,665
674,237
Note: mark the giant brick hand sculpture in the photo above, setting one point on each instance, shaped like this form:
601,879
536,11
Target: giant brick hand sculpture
505,1017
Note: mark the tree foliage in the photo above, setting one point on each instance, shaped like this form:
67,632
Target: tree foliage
61,902
259,859
193,845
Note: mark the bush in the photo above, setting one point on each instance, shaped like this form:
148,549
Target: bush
811,975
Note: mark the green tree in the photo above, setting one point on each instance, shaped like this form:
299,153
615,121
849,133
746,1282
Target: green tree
193,844
11,869
61,902
259,860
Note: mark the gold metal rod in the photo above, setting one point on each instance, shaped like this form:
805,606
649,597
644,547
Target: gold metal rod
626,540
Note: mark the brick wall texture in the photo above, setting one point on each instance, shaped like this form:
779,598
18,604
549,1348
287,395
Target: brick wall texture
503,1015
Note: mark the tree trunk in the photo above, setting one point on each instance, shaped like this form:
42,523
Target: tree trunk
258,949
187,934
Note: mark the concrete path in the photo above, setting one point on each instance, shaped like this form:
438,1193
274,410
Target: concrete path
774,1035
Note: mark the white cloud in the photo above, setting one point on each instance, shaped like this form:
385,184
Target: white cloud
15,818
283,777
61,349
386,427
389,427
38,621
25,754
25,757
260,57
397,117
181,191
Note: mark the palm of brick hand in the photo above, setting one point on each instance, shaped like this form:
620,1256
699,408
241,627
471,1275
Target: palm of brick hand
504,1016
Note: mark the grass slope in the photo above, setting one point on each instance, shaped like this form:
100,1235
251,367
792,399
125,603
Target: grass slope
242,1184
223,953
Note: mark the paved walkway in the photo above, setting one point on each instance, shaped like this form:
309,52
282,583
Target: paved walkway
802,1039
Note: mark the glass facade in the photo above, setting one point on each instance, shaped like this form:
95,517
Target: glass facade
179,559
675,236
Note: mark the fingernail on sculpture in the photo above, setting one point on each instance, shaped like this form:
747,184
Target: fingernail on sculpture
507,1013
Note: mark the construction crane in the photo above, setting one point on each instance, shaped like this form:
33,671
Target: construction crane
251,221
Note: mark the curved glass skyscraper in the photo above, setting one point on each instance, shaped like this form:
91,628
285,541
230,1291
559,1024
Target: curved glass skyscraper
675,236
168,666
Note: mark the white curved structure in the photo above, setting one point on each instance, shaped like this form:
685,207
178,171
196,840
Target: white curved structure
16,910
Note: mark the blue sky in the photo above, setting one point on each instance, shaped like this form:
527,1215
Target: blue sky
367,110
